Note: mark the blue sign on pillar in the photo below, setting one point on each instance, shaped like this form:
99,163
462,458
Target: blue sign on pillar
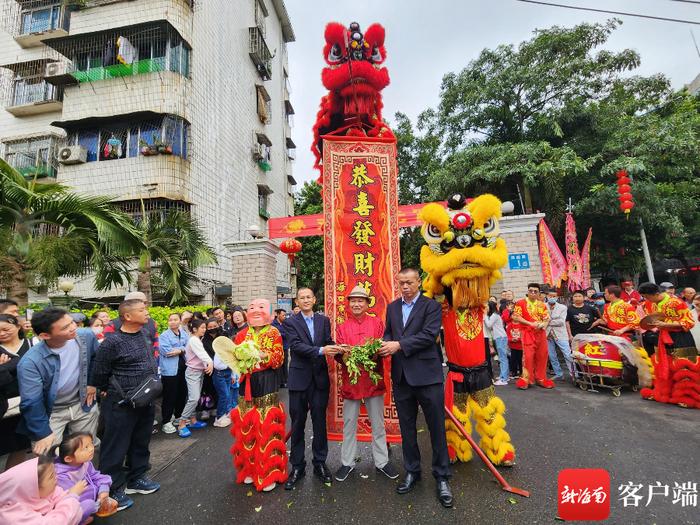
518,261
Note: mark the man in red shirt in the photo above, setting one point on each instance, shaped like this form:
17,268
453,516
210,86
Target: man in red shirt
533,316
620,317
629,294
357,330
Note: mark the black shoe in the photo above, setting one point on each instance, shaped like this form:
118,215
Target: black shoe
294,476
408,483
444,493
389,471
323,473
343,473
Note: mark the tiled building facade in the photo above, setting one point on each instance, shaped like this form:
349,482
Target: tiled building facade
182,103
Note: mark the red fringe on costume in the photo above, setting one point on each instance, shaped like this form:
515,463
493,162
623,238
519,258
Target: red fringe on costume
259,451
680,385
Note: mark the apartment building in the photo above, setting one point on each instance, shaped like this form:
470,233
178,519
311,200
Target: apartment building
159,104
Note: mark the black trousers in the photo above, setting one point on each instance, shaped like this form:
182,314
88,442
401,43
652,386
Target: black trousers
431,399
127,436
300,403
284,374
487,354
515,362
174,395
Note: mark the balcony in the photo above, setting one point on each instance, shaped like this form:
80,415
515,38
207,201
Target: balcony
34,21
25,92
260,53
152,47
34,158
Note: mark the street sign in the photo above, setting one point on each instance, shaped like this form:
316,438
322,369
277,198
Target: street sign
518,261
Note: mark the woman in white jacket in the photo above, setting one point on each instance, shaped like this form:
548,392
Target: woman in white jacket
198,364
494,323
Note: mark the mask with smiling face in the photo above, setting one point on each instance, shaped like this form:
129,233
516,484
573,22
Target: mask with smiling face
259,313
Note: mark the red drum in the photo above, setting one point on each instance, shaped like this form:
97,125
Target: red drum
602,358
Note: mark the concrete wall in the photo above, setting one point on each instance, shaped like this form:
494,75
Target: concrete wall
520,234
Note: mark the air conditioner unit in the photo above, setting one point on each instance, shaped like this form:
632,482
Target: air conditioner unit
56,69
72,155
258,151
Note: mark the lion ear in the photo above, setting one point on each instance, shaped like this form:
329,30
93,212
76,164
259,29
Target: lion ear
374,35
335,33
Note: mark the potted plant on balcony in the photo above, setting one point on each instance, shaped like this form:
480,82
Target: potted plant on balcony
161,147
146,149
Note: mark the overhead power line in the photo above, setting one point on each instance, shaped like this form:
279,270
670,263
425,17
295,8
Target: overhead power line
686,1
622,13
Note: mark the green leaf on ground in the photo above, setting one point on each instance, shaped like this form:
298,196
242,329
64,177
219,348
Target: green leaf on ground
258,509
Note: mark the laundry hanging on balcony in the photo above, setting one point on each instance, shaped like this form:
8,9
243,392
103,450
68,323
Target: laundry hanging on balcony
126,52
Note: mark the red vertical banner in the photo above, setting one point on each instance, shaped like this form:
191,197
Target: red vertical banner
361,247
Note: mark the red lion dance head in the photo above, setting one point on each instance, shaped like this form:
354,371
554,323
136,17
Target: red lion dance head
354,78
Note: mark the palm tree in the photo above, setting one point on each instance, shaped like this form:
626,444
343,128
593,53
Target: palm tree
47,231
173,246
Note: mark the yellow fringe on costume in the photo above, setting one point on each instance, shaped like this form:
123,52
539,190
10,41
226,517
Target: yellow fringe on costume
645,357
490,424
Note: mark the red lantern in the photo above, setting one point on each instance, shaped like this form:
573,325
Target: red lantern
625,197
623,180
626,206
624,188
290,247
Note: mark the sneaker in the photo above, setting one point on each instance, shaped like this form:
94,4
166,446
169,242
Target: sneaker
389,471
197,425
222,422
169,428
343,473
184,432
123,501
500,382
142,486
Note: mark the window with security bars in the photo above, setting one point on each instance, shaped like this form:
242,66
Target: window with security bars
120,140
135,208
41,16
124,52
33,158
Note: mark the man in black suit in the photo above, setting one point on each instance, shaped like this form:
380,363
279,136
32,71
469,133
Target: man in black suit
412,327
309,338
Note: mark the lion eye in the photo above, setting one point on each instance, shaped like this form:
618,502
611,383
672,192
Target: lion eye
490,225
335,55
433,232
376,55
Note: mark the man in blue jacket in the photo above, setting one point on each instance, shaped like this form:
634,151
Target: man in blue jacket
53,381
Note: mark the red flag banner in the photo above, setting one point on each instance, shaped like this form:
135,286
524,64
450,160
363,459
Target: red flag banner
551,258
586,261
307,225
573,256
361,247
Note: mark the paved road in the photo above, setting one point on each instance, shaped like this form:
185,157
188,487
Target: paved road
635,440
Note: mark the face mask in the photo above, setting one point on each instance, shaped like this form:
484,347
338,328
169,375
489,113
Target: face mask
600,302
97,329
551,300
214,332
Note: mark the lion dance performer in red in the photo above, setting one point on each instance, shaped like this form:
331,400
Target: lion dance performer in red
259,451
354,79
462,258
676,362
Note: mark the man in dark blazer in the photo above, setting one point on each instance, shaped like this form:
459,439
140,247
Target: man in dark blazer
412,327
309,338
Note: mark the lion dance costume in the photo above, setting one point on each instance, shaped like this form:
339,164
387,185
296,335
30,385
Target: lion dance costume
676,362
259,451
462,258
354,79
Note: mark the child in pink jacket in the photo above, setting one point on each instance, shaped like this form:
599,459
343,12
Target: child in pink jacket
29,495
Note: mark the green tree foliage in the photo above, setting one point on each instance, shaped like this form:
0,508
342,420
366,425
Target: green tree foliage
310,274
46,231
555,118
173,248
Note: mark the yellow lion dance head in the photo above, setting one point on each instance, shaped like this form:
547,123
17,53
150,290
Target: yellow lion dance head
464,251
